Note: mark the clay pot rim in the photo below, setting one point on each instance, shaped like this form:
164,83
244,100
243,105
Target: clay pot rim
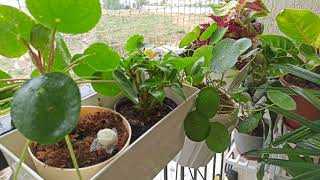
124,120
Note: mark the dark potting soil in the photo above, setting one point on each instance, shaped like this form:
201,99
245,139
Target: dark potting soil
139,121
57,155
258,131
294,80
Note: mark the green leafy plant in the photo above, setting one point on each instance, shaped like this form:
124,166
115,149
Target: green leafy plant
46,108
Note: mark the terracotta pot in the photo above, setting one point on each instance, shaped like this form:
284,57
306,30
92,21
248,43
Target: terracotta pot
53,173
304,108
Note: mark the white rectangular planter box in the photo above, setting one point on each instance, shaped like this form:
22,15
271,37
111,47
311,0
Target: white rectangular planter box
143,159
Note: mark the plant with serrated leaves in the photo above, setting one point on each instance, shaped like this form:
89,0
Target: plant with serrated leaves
45,108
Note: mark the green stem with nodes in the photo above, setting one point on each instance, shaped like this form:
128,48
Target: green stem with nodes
51,52
77,62
22,158
255,110
73,156
96,81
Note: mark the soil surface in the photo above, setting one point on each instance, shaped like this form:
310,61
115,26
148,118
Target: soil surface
294,80
139,121
57,155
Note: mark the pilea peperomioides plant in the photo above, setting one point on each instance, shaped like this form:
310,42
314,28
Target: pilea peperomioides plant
45,108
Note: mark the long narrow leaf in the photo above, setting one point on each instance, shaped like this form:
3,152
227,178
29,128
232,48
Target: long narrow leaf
301,72
287,151
299,119
311,175
291,164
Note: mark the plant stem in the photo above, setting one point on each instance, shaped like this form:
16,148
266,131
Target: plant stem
77,62
255,110
96,81
6,100
51,52
73,156
6,88
12,80
22,158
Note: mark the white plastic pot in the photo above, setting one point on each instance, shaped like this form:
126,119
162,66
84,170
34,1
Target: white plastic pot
53,173
197,154
245,143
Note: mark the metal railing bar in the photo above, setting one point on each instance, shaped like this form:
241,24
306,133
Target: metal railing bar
165,171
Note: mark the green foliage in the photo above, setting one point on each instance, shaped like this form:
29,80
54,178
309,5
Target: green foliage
135,42
71,17
250,123
222,10
226,53
218,35
190,37
102,57
208,32
46,108
278,42
106,89
40,36
218,139
208,101
281,99
15,26
301,25
197,127
127,85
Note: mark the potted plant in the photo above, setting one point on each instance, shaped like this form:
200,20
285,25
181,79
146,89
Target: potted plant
299,149
301,49
209,59
233,20
46,109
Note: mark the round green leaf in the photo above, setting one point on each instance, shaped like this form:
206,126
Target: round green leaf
208,101
46,108
14,26
196,126
208,32
281,99
224,55
40,36
218,35
206,52
190,37
218,139
72,16
301,25
102,57
35,73
134,42
106,89
83,69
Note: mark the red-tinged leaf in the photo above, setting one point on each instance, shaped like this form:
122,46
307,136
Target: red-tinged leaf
257,5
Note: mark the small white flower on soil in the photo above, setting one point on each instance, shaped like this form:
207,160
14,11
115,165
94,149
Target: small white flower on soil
106,139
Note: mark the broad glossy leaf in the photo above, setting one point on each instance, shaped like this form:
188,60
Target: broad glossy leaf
224,55
301,25
206,52
208,32
40,37
190,37
196,126
181,63
83,69
35,73
218,35
308,95
242,97
46,108
218,140
72,16
197,66
242,45
311,56
106,89
279,42
126,85
281,99
250,123
102,57
135,42
208,102
14,26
